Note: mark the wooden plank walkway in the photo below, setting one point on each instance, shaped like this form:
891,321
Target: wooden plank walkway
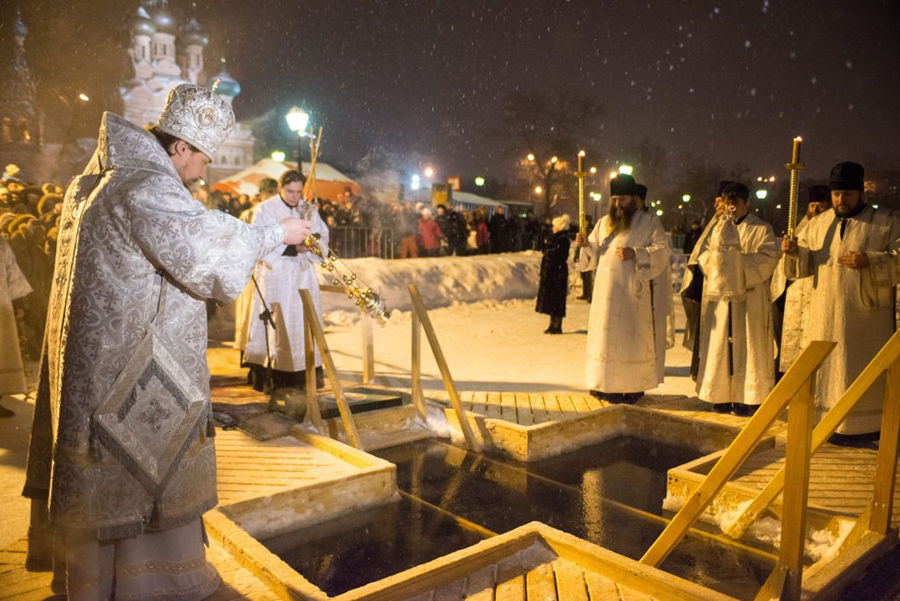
517,579
841,479
248,468
533,408
17,584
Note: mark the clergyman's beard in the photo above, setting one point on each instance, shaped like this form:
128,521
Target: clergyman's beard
620,218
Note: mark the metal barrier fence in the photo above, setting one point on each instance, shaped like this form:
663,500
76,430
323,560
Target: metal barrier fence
349,242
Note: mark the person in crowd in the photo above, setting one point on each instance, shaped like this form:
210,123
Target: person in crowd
852,252
121,464
277,347
497,227
737,258
453,227
482,233
553,285
587,275
406,225
13,286
691,237
791,298
628,249
430,234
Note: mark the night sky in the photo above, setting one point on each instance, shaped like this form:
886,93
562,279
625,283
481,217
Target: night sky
727,82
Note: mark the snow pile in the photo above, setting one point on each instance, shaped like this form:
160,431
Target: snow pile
820,544
442,281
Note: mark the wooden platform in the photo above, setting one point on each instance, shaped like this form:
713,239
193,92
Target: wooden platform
841,478
17,584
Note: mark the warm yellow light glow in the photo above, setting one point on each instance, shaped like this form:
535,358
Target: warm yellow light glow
83,97
429,172
685,198
626,169
593,170
554,159
538,189
581,153
530,156
278,155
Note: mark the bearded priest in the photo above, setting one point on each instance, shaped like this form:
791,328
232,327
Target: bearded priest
628,249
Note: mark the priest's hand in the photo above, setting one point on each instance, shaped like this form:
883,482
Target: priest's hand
625,253
854,260
579,240
295,230
788,245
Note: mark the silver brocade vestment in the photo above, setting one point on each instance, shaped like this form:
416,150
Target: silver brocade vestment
125,220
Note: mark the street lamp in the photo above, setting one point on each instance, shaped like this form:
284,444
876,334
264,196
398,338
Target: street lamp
530,157
297,120
685,198
761,194
626,169
479,181
278,155
538,189
429,172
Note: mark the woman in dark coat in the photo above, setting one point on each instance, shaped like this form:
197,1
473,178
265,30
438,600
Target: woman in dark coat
554,283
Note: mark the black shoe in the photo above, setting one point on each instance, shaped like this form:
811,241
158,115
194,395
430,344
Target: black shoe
554,330
721,407
631,397
549,330
4,412
742,410
598,394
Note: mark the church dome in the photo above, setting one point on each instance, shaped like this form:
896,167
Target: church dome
141,23
192,34
161,17
225,85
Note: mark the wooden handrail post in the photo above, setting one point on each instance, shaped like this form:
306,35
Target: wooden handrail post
416,366
312,401
886,466
419,307
796,489
738,451
368,346
330,370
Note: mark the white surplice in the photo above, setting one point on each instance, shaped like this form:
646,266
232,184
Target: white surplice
279,278
853,307
13,285
737,261
622,346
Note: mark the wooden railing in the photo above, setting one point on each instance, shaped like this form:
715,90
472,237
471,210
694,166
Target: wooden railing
796,389
420,321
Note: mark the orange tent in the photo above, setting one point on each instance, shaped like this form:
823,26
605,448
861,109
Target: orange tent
330,183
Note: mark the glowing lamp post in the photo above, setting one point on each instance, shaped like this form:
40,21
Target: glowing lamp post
626,169
761,194
278,155
297,120
685,198
479,181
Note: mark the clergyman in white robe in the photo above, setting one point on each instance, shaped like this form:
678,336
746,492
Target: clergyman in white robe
622,347
13,285
853,307
737,259
279,277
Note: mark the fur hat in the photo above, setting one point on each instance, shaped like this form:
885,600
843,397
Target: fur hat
562,222
819,194
622,184
198,116
847,176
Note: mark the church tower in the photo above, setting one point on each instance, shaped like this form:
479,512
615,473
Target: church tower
19,117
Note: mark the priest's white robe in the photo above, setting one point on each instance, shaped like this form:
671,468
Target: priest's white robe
279,278
736,280
622,345
796,299
13,285
853,307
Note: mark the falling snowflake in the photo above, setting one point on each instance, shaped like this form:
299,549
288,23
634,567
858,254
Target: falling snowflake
848,64
747,43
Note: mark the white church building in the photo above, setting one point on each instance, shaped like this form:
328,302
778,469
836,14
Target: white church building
164,56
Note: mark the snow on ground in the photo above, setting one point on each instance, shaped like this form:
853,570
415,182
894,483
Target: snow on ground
482,309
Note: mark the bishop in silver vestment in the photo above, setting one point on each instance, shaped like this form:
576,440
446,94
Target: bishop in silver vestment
121,458
852,253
